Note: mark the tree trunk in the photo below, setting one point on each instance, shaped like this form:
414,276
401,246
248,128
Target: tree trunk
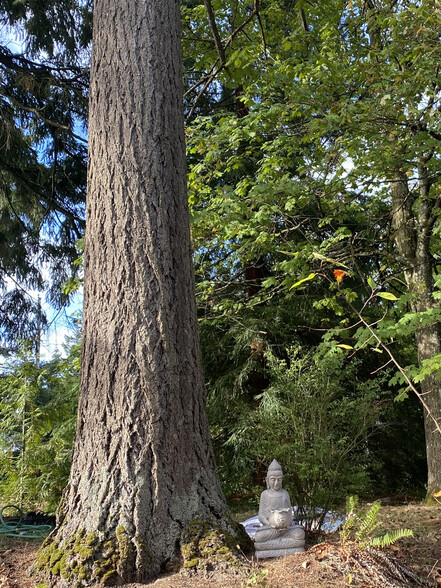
412,236
428,345
143,468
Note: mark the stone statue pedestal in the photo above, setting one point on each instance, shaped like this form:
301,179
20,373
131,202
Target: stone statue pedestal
277,536
291,540
278,552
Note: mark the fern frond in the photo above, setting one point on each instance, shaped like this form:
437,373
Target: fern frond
368,522
348,526
361,527
351,520
351,503
390,537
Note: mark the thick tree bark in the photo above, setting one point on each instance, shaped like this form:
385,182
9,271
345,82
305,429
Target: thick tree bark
412,236
143,468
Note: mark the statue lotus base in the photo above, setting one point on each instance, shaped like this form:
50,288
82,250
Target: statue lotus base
275,542
278,552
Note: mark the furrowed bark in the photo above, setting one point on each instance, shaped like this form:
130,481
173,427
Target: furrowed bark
143,467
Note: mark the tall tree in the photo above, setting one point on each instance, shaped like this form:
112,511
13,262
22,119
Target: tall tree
143,468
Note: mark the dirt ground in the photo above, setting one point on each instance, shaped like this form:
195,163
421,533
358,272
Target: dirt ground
318,567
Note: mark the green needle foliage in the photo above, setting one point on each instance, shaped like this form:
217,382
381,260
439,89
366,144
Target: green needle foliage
43,116
329,423
37,427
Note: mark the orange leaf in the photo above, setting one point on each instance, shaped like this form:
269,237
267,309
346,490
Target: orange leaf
339,275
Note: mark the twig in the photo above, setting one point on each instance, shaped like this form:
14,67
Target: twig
43,118
262,30
202,80
204,87
433,567
249,18
382,367
215,32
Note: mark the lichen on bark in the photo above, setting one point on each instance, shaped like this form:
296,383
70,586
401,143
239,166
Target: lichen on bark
206,548
86,558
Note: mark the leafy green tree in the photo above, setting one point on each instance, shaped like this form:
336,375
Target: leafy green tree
386,121
334,167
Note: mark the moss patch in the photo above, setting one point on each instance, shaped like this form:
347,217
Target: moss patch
87,558
433,499
205,548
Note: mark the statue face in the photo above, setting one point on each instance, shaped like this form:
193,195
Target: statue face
275,481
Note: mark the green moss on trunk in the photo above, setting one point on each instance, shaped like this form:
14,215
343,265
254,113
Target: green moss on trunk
206,548
87,558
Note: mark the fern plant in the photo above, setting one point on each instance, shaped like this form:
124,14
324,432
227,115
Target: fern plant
360,527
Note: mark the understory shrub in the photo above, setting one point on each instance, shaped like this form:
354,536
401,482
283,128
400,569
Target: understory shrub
38,407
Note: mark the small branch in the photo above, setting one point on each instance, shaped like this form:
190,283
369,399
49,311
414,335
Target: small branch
204,87
19,286
202,80
250,17
42,118
6,192
215,32
220,47
198,39
19,63
382,367
48,199
303,19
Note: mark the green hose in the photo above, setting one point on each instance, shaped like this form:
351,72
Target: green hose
17,529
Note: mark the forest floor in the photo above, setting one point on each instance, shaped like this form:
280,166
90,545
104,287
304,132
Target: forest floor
322,565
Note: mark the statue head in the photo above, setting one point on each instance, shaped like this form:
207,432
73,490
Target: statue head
274,476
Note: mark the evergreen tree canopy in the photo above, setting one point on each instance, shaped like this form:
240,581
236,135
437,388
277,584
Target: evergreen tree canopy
43,117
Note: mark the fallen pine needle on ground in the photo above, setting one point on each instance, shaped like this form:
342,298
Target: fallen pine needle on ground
413,561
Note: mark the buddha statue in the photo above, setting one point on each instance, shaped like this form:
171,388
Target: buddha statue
278,535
